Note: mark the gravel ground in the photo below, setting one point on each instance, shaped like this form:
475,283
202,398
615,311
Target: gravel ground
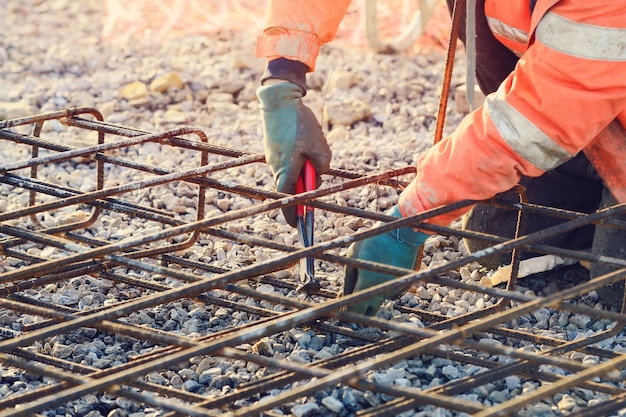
379,111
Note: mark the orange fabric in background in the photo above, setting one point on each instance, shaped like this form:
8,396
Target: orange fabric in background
160,19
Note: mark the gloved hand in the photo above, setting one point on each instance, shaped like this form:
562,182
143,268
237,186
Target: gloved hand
397,247
291,134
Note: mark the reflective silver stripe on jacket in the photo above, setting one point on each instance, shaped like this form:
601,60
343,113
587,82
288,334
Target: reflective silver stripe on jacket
524,137
581,40
506,31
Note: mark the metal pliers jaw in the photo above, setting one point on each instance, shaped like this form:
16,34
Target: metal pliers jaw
304,224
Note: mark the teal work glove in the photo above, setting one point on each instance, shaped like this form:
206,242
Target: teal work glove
291,135
397,247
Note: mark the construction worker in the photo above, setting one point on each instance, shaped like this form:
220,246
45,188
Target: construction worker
553,72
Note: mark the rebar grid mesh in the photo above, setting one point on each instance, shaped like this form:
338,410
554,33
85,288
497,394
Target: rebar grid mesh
141,255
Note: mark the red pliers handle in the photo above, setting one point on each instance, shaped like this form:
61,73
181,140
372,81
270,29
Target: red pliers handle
304,223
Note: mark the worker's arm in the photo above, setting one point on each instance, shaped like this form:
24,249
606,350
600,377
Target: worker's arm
293,35
562,93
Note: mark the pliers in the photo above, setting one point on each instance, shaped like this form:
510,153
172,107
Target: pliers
304,224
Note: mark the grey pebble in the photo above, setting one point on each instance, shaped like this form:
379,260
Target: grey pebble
450,371
221,381
332,403
567,403
192,385
497,397
124,403
62,351
177,382
301,410
349,397
540,410
156,378
512,382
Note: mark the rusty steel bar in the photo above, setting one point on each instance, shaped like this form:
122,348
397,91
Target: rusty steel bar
100,126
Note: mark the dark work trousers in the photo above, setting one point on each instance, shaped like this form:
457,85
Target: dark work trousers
571,186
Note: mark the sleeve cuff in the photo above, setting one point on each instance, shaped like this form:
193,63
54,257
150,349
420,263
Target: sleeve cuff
286,69
298,46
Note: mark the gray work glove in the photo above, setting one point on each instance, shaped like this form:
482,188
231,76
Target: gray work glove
291,135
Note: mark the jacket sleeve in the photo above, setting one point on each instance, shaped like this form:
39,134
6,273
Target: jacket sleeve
296,30
471,164
563,92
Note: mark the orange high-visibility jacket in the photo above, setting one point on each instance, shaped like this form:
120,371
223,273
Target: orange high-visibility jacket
567,94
